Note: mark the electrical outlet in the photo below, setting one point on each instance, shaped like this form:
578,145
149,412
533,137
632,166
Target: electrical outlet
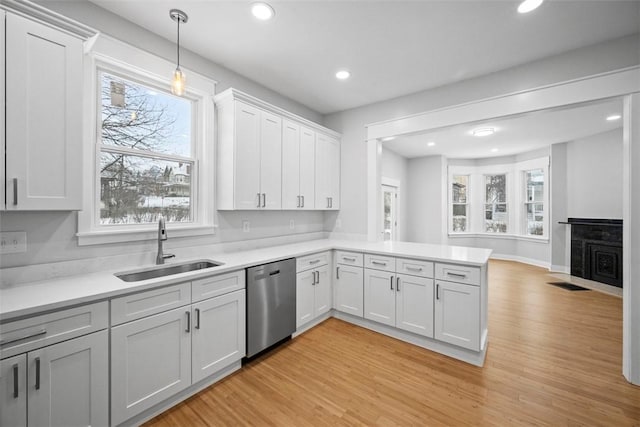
292,224
246,226
13,242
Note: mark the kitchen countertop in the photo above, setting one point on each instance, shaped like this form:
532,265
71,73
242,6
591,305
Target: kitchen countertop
37,297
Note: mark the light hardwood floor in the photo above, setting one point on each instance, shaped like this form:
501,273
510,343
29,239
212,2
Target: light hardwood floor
554,358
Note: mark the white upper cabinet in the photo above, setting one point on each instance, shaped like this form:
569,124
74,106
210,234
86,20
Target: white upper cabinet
268,158
43,116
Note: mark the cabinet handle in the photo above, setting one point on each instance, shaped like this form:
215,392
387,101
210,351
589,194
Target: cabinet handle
379,263
15,191
315,261
188,329
302,201
437,291
391,280
413,268
264,200
462,276
298,202
313,281
15,381
317,275
35,334
37,373
197,325
346,258
398,284
327,202
337,272
258,202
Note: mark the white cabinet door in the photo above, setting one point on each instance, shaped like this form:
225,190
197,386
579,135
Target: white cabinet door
43,117
457,314
349,290
150,361
218,338
247,156
305,284
2,116
379,296
68,383
322,172
290,165
13,391
322,294
333,155
307,167
271,160
414,304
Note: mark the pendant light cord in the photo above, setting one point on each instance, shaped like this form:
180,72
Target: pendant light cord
178,44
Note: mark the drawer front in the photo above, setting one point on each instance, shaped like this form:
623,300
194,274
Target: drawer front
380,262
414,267
349,258
312,261
458,273
143,304
217,285
40,331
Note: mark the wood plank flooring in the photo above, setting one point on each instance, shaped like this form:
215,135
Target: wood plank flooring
554,358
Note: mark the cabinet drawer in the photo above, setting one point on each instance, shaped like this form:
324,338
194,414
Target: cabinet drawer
40,331
380,262
349,258
458,273
217,285
312,261
143,304
414,267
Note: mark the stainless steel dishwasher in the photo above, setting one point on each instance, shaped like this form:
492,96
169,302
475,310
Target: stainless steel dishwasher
271,304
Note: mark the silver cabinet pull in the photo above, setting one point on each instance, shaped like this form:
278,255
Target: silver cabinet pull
437,291
408,267
188,329
37,373
391,280
197,325
298,202
462,276
379,263
313,282
302,201
331,202
327,202
35,334
264,200
258,202
15,191
398,284
317,273
15,381
347,258
337,272
315,261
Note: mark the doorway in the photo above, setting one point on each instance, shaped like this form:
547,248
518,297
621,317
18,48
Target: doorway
389,212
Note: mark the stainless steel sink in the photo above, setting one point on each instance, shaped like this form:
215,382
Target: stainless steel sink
165,270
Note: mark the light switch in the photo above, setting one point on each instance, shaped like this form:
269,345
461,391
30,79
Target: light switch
246,226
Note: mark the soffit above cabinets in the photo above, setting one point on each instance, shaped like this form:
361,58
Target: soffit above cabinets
391,48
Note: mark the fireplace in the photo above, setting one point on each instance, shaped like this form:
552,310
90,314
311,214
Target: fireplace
596,249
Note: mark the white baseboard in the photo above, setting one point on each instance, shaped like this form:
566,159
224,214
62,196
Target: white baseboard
530,261
560,269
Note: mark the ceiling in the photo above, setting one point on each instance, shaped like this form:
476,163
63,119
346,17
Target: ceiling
392,48
514,134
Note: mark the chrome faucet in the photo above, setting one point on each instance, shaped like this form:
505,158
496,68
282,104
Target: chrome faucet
162,236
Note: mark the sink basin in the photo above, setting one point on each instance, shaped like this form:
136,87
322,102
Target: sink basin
165,270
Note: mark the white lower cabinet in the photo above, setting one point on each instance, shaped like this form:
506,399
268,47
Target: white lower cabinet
457,314
313,294
379,296
414,304
150,361
65,384
218,337
348,290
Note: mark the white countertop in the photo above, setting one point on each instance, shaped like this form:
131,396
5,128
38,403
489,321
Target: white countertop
36,297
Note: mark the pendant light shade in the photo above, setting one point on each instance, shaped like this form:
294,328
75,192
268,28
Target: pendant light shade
179,80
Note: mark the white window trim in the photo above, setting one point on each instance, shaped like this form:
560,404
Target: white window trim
469,209
515,199
111,55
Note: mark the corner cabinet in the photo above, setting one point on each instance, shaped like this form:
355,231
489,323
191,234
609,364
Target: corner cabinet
270,159
42,87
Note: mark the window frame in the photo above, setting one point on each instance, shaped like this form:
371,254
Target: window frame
526,203
467,205
494,204
124,61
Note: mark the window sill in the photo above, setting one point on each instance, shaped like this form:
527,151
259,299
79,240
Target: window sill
542,239
150,232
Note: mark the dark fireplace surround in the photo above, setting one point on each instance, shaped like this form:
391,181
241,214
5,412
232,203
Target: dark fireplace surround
596,249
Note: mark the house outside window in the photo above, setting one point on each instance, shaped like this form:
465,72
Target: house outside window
459,203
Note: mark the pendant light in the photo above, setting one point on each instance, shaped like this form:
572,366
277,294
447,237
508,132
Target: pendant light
179,80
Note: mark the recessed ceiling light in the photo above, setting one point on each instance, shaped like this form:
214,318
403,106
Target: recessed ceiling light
528,5
483,131
614,117
343,75
262,11
388,138
494,150
431,144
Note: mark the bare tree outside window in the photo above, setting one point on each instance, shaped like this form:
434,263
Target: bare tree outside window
496,216
459,202
534,202
145,158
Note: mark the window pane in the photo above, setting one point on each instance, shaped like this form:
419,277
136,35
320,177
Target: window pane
137,190
459,210
495,188
459,223
136,116
534,180
459,188
495,218
535,218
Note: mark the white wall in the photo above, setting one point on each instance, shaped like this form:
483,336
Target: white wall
426,199
594,176
395,166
